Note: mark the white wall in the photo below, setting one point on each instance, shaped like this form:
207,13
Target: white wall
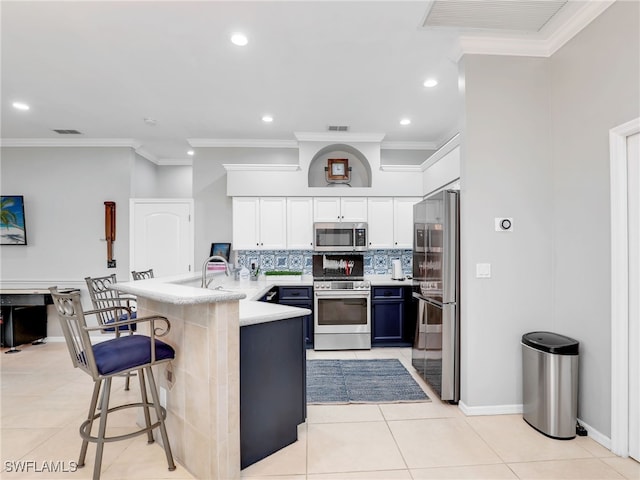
535,147
174,181
65,190
595,86
506,171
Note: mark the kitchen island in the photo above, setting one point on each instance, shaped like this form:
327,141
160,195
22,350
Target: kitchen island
202,386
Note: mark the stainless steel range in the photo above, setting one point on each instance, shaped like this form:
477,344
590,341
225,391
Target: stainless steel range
342,303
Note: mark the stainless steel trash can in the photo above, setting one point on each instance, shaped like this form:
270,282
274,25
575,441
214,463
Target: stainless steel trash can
550,383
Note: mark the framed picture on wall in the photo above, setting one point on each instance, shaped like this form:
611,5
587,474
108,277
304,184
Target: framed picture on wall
12,225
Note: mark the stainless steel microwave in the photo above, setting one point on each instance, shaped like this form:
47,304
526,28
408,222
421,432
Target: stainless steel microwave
340,237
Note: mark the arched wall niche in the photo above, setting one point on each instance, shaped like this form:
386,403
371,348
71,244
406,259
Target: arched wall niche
360,167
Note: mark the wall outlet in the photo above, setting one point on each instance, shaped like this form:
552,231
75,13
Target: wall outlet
111,264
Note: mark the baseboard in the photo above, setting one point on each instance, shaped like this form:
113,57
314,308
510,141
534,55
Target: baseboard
596,435
490,409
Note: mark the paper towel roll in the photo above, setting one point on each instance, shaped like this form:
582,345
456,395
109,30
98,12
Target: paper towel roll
396,270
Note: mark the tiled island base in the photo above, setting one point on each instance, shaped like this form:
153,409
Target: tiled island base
202,385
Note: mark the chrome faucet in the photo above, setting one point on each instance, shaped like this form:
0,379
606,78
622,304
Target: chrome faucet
227,268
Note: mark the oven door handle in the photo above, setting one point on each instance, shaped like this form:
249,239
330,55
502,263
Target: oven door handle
343,294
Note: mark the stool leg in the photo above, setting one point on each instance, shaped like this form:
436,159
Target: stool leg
163,430
145,401
92,412
106,391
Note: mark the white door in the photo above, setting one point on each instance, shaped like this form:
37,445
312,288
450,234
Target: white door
353,209
246,227
161,236
326,209
273,223
403,221
300,223
380,215
633,205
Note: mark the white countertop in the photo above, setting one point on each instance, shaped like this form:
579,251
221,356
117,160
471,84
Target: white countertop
185,290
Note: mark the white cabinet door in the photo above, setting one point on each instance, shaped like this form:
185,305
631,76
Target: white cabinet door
353,209
403,221
300,223
326,209
380,215
273,223
246,226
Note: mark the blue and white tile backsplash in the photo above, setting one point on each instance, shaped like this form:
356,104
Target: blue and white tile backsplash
376,262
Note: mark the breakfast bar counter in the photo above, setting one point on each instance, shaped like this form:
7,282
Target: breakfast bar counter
202,386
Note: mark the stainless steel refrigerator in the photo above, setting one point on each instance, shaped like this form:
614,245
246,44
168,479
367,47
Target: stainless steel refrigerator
436,273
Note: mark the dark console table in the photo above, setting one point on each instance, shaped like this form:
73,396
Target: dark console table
24,317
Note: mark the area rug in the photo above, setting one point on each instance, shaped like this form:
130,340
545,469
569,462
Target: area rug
361,381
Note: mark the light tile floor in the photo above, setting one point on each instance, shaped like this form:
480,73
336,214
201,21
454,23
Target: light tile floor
43,401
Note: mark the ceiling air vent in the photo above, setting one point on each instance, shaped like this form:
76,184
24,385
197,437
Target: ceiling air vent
67,132
337,128
521,15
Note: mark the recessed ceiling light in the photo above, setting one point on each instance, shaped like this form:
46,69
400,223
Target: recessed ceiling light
405,121
267,119
150,121
191,153
20,106
430,82
239,39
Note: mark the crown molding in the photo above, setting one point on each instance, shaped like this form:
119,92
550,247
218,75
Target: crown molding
441,152
408,145
587,14
401,168
261,167
538,45
146,154
239,142
70,142
338,137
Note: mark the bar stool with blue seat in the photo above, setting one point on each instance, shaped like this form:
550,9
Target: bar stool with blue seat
120,307
102,361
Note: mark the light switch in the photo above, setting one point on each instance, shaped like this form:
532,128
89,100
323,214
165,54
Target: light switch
483,270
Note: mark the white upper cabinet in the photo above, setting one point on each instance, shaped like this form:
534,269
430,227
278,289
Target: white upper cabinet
380,215
299,223
391,222
259,223
335,209
403,221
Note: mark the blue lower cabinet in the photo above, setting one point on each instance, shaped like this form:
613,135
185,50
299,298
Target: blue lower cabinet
389,316
273,388
387,319
300,297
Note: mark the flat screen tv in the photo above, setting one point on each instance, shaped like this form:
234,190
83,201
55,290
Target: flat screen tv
221,249
12,226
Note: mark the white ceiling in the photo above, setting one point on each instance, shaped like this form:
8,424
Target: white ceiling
103,67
